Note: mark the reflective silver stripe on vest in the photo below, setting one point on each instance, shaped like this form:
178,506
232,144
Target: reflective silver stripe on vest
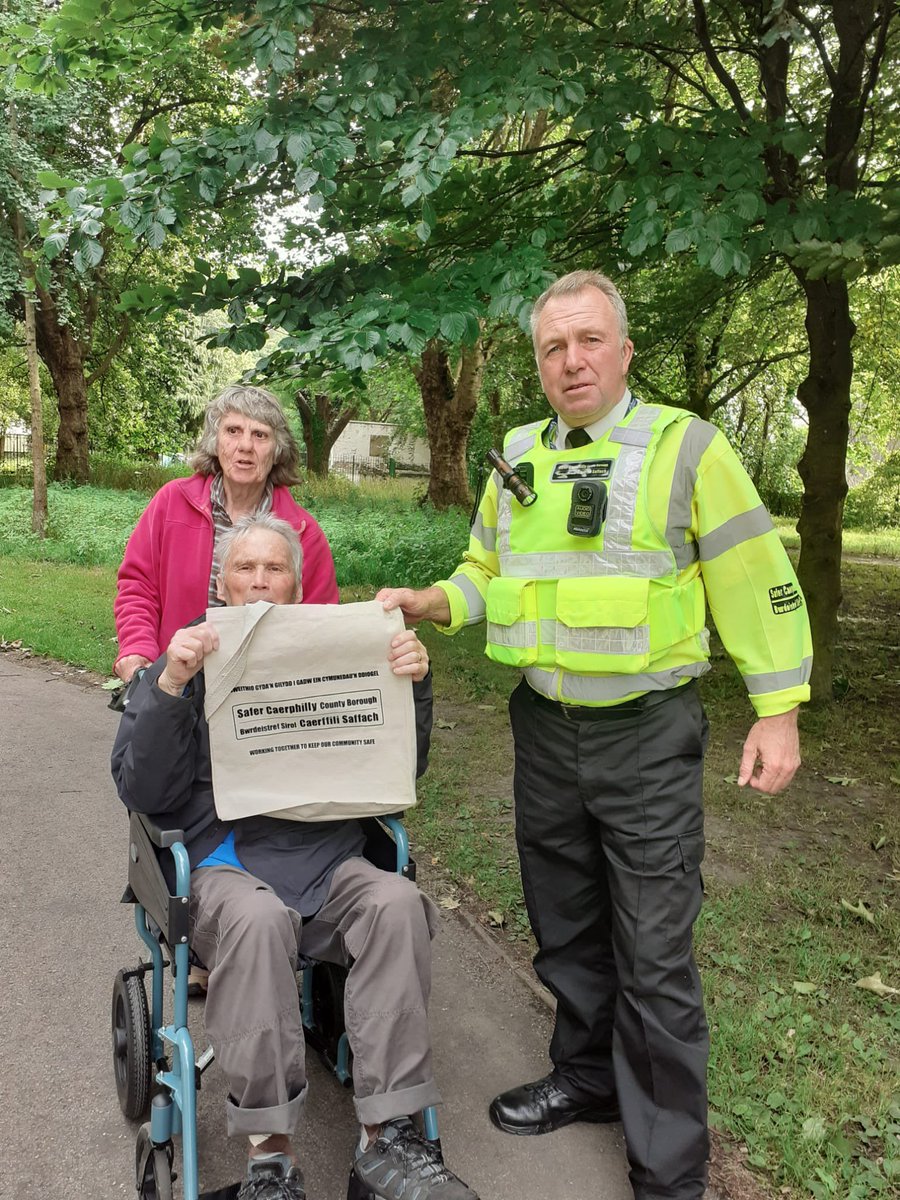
474,598
523,441
595,639
697,438
731,533
600,689
776,681
519,636
485,534
634,438
582,564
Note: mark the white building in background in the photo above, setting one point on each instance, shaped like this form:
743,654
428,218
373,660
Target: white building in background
372,444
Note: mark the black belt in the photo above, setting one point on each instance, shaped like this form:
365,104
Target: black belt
583,712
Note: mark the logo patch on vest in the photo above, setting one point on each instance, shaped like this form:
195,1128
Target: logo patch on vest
785,598
595,468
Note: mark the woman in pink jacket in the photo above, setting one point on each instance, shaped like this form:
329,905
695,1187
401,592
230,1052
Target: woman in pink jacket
245,461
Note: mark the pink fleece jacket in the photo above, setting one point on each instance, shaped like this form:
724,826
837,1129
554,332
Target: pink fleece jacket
164,577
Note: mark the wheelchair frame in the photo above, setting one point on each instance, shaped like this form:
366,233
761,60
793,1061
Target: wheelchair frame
141,1040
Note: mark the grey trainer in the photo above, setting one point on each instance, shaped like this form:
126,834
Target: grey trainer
273,1177
402,1165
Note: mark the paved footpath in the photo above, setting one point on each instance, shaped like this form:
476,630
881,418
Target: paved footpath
64,936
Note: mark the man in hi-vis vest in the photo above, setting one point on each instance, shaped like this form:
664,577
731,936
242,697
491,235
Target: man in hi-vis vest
593,579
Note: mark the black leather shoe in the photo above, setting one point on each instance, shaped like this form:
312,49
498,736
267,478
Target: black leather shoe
541,1107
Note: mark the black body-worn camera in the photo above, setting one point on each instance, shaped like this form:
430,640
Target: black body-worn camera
587,510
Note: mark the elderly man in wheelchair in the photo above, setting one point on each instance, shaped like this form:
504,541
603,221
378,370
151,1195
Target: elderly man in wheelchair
267,893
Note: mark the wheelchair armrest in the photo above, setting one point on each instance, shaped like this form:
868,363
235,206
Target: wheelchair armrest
147,881
387,845
163,838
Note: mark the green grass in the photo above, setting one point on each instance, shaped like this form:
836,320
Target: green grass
866,543
59,610
803,1068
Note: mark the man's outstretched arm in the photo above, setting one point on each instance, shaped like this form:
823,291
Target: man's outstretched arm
424,604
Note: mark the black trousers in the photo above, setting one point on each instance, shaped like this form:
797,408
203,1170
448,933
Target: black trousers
609,826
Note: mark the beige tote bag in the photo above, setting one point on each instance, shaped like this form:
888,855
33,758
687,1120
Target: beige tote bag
306,719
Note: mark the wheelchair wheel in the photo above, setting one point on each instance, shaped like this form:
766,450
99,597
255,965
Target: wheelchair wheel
153,1167
131,1044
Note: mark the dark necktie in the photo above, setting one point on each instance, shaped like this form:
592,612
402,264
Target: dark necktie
576,438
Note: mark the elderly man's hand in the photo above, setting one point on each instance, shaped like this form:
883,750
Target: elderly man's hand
771,753
426,604
184,656
408,656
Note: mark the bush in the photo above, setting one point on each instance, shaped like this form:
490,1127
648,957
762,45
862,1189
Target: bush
86,525
122,475
379,535
875,504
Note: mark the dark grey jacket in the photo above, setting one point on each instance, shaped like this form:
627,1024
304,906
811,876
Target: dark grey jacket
161,766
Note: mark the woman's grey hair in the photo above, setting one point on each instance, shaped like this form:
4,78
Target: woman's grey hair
232,537
257,405
571,285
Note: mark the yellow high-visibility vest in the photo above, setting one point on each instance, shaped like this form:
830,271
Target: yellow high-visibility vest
597,620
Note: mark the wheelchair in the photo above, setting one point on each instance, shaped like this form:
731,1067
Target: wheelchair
156,1070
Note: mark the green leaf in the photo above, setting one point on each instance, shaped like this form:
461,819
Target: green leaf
129,214
305,179
721,260
453,326
50,179
813,1129
617,197
88,255
298,146
156,235
385,103
679,239
54,245
632,152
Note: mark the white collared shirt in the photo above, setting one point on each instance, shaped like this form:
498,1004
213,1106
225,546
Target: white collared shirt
598,428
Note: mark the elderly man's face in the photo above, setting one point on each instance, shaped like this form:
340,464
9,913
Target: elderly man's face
582,359
259,568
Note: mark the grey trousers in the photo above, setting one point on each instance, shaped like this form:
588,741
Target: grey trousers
609,824
376,923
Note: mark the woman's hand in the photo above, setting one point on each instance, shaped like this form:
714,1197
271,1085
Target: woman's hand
127,666
407,656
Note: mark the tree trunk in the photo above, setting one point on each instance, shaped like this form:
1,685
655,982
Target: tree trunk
825,394
760,462
696,373
321,427
449,410
63,356
38,460
315,439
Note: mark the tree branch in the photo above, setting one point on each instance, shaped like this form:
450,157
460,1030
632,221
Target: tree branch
715,62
